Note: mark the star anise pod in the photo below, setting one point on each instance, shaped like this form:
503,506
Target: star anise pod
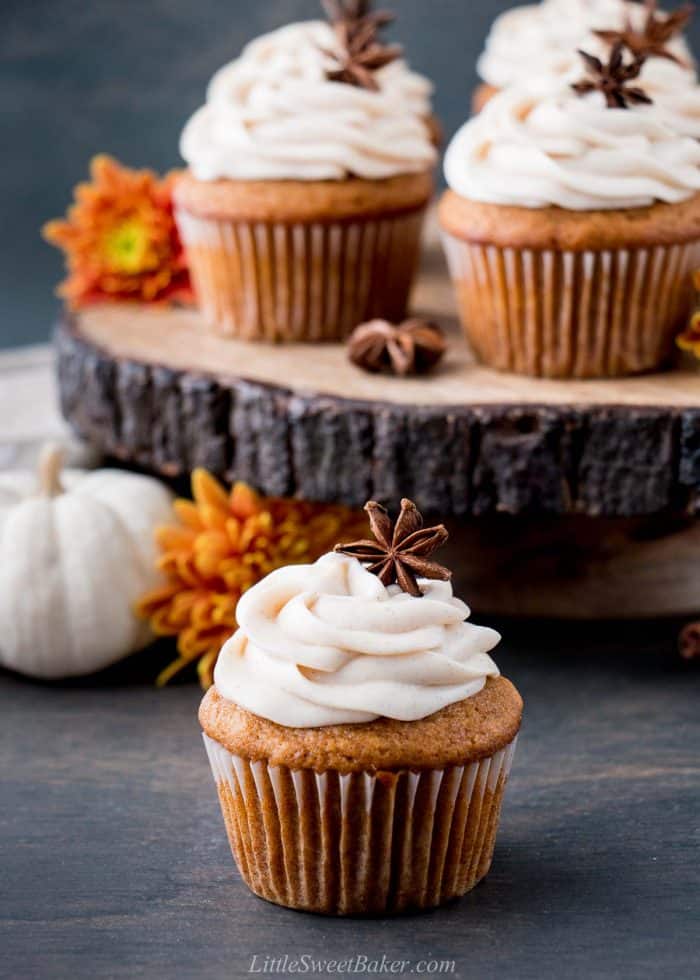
612,79
689,642
400,552
412,347
360,52
651,38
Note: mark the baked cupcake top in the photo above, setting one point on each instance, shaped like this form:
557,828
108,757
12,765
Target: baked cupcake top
329,644
541,39
544,145
275,114
461,733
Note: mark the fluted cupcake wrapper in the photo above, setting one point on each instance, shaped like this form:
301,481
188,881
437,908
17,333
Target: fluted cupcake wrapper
276,281
564,314
360,843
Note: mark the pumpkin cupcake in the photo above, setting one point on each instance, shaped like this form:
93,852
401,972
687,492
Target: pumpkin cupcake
310,168
359,734
541,40
572,224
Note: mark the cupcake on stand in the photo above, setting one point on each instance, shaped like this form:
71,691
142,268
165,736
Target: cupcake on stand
310,167
541,39
572,223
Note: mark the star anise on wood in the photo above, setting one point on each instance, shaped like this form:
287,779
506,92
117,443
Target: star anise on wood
689,642
360,52
651,38
401,551
613,78
412,347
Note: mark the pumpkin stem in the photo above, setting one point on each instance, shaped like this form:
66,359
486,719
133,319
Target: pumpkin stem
50,466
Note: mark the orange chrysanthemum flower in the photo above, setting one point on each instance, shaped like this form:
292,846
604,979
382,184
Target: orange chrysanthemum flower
689,340
120,239
223,544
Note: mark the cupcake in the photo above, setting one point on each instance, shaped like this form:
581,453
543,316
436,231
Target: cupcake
571,226
359,734
541,40
309,171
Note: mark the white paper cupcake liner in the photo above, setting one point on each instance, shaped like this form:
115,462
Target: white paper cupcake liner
359,843
572,314
301,282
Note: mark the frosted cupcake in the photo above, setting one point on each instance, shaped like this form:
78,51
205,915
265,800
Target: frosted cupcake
359,733
310,168
572,225
541,40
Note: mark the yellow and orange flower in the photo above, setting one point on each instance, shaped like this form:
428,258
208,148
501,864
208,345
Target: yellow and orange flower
689,340
224,543
120,239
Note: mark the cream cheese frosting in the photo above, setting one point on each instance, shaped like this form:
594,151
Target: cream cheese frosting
535,38
539,146
327,644
673,89
541,39
272,115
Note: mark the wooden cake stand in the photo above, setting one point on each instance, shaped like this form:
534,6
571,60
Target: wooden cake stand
585,491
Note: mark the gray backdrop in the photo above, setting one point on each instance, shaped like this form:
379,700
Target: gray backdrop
121,76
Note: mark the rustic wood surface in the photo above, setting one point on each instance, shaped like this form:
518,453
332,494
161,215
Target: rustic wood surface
114,861
577,567
155,388
568,566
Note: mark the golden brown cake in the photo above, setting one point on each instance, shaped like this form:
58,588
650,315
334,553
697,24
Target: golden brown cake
302,260
309,173
415,805
465,732
559,290
571,230
359,734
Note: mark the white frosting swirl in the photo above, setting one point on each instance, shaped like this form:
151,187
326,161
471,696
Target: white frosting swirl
272,115
540,146
541,39
672,87
327,643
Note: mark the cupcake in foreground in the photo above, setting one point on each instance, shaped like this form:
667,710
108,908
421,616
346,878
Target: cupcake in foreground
541,40
359,733
310,168
572,225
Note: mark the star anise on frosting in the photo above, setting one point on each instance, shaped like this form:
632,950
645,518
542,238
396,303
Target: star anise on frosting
360,52
651,39
401,550
411,347
689,642
613,78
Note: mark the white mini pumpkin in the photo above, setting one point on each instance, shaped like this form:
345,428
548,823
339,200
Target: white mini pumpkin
76,552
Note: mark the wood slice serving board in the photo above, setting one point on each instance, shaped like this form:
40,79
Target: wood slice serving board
585,490
156,388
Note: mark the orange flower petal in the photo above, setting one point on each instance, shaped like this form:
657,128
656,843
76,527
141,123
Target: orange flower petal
170,671
244,501
205,669
174,538
689,342
212,517
207,490
187,512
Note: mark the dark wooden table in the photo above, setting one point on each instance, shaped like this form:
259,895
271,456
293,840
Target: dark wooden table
114,862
